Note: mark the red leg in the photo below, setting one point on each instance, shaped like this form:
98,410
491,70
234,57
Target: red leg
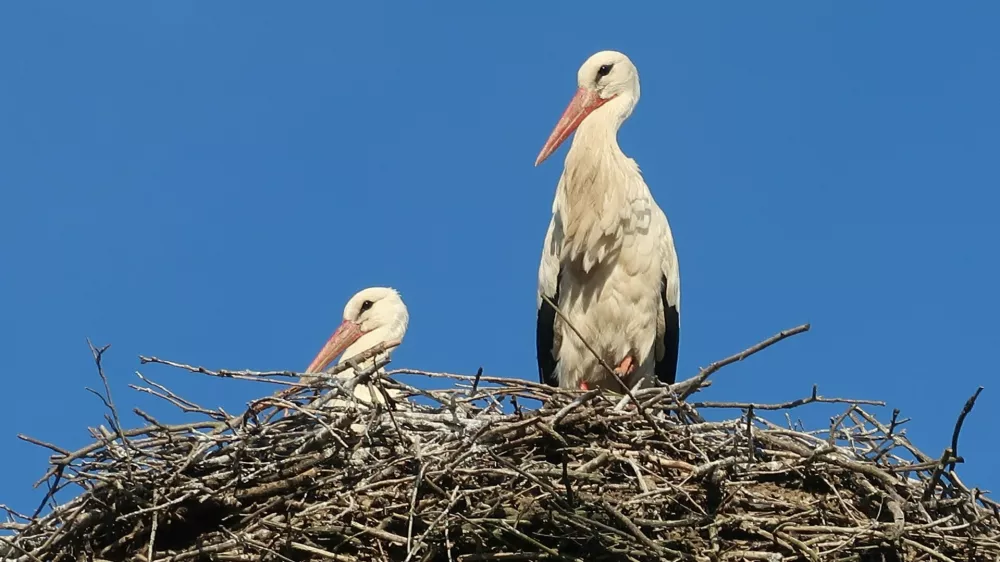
625,367
583,386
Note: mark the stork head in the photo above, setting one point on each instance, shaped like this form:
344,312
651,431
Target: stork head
607,81
376,314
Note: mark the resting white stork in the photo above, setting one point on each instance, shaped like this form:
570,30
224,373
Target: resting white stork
374,315
608,261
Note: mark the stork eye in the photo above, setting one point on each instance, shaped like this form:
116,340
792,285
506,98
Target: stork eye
604,70
365,306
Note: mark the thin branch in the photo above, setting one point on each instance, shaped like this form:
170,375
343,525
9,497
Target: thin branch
475,383
110,403
936,477
585,342
689,386
813,398
343,366
41,443
961,419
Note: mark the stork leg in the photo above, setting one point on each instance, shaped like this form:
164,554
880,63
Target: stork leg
583,385
626,367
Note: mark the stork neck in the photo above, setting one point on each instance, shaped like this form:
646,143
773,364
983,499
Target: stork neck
596,186
594,153
598,133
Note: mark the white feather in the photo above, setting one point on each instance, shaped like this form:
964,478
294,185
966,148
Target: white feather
611,243
386,320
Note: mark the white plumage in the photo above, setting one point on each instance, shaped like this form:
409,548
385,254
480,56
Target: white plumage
372,316
608,259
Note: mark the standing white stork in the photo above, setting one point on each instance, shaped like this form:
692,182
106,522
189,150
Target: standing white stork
373,316
608,261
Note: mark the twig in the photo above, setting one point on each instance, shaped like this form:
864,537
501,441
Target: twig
632,528
788,405
110,403
961,419
413,506
444,514
585,342
14,545
152,532
343,366
570,498
936,477
475,383
892,424
41,443
835,424
688,386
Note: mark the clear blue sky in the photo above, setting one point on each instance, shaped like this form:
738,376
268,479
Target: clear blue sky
209,182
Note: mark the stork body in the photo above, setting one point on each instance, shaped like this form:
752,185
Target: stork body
372,316
608,260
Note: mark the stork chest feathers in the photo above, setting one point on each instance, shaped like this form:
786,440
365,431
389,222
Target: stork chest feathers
615,313
605,211
609,265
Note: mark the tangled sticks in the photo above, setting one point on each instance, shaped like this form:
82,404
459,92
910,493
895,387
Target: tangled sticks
453,476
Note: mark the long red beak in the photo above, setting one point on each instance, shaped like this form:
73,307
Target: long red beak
583,103
347,333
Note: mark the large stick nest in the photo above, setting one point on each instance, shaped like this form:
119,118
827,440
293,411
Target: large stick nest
451,476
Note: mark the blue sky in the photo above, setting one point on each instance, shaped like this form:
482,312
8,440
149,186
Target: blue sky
209,183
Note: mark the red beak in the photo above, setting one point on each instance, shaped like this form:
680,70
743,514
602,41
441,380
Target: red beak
347,333
583,103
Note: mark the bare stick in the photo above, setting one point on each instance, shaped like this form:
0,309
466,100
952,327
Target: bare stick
475,383
152,532
41,443
938,470
586,343
813,398
688,386
110,403
343,366
961,419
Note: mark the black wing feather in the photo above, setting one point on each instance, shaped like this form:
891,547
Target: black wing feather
545,336
666,367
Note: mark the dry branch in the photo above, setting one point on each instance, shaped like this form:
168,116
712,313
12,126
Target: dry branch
452,476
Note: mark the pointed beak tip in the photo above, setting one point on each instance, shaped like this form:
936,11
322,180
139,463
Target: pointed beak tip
580,106
543,155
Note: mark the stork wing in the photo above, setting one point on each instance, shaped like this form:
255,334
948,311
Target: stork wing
668,325
547,338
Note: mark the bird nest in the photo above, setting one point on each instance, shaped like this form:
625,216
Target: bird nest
471,473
